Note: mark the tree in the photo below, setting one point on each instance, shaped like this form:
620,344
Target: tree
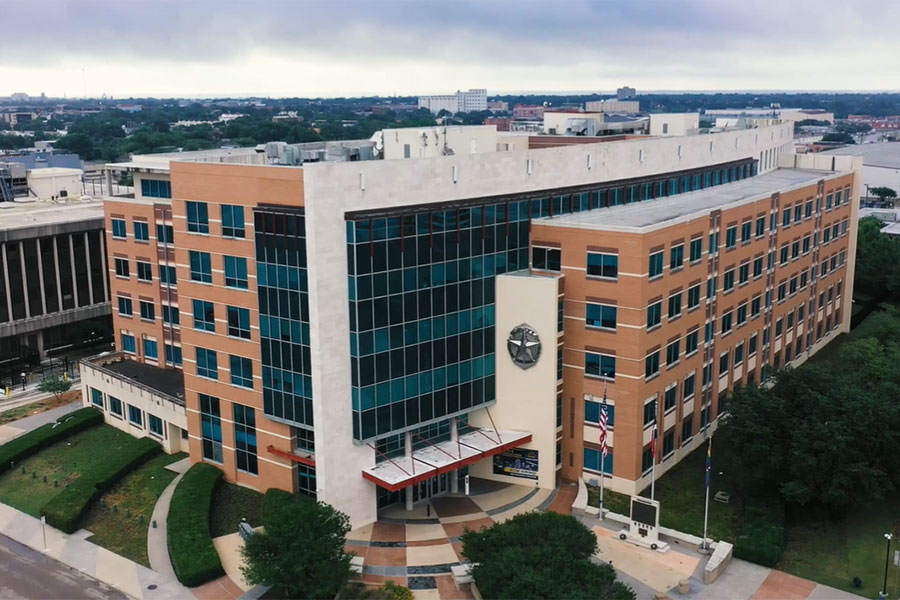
877,259
883,192
56,385
540,555
301,552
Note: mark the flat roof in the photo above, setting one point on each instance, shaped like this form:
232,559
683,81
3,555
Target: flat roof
660,212
885,155
32,213
168,381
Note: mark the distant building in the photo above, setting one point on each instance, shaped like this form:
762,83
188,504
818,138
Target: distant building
14,117
470,101
528,112
674,123
430,142
591,124
881,163
19,97
501,123
786,114
289,116
498,106
625,92
614,106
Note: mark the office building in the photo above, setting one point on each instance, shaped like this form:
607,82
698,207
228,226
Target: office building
627,107
470,101
54,289
528,112
369,333
626,93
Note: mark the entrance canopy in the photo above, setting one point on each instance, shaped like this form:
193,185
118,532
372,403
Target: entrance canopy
442,457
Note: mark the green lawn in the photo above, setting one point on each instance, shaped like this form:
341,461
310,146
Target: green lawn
834,551
115,519
232,503
62,462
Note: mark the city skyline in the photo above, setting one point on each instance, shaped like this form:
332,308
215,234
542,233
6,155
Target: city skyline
200,49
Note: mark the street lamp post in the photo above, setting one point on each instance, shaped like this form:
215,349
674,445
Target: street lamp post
887,560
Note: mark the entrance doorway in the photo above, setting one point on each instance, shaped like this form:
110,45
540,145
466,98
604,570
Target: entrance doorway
431,487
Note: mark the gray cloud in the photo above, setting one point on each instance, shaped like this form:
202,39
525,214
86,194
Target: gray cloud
702,42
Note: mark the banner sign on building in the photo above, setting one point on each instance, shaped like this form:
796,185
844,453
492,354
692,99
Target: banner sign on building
517,462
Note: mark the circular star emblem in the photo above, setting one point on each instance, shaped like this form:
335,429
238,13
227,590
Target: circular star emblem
524,346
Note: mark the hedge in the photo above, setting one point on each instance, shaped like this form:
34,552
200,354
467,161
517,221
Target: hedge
191,550
273,500
46,435
65,510
761,537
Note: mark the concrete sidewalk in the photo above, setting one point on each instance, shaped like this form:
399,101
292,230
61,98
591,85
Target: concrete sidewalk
26,424
157,537
75,551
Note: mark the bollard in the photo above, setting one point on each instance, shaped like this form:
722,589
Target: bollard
154,523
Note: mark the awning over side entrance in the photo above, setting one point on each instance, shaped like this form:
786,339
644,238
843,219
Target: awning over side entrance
434,459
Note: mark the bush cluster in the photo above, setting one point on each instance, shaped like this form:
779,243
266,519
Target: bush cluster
46,435
65,510
191,550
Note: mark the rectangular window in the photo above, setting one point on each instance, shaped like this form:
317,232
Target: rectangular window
742,314
155,425
211,428
239,322
236,272
727,322
809,208
173,354
779,328
829,199
592,458
170,315
784,254
798,212
148,310
689,383
728,280
654,315
675,305
656,264
152,188
744,273
795,250
97,397
546,259
670,398
151,350
167,275
125,306
201,269
746,231
115,406
233,221
592,413
241,371
141,231
676,257
651,364
713,243
135,416
723,364
204,315
739,354
245,439
786,217
691,342
207,363
672,353
165,234
731,237
782,291
128,344
119,229
687,429
600,365
760,226
751,345
693,296
197,217
600,315
650,413
755,306
603,265
757,267
711,287
696,249
122,267
144,271
647,460
668,445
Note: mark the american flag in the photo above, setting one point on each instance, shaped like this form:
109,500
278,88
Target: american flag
604,422
708,461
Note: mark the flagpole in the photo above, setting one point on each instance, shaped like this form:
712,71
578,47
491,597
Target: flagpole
653,468
705,545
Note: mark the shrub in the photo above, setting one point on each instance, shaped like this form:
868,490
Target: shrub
46,435
65,510
193,555
761,537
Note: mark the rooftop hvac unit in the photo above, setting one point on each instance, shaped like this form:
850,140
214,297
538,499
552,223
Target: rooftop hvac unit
275,151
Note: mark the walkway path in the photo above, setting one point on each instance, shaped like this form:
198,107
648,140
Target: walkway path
75,551
26,424
418,548
157,538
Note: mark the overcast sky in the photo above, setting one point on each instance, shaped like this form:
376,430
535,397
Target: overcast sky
196,48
